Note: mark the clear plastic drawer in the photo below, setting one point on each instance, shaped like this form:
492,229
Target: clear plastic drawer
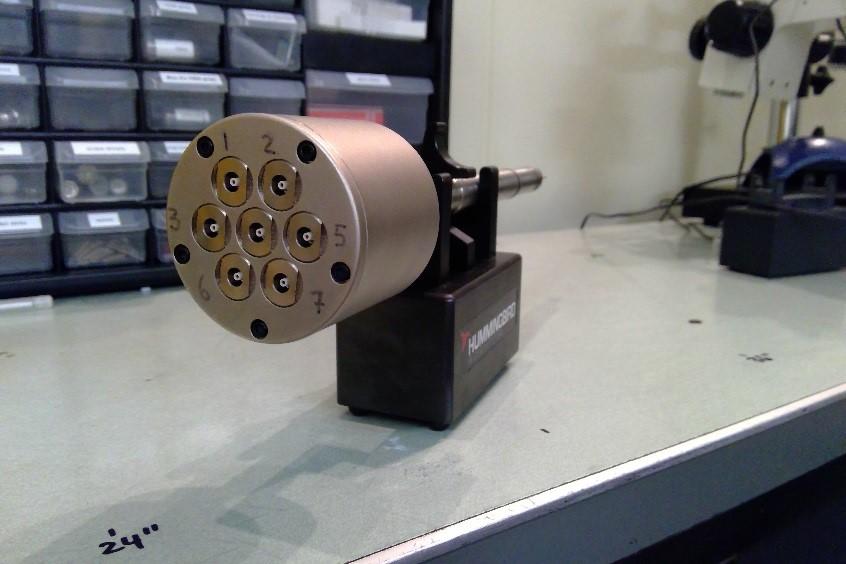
101,171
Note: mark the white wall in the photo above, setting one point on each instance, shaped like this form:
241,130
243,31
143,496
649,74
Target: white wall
602,96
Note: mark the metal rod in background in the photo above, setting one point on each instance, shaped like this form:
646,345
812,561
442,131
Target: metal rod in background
784,121
512,182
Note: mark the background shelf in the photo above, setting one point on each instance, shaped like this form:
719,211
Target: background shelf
321,50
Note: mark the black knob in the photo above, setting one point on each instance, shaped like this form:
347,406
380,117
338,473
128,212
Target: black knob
820,79
730,22
698,41
821,48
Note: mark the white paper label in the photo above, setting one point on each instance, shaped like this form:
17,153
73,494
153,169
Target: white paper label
188,114
82,9
272,17
190,78
9,223
103,219
11,149
361,79
10,69
181,7
93,148
175,147
174,49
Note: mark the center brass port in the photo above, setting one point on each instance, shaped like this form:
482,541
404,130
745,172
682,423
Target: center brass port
279,185
281,283
210,228
305,236
232,181
256,232
234,277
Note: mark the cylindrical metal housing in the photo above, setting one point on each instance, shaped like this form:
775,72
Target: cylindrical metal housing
512,182
281,226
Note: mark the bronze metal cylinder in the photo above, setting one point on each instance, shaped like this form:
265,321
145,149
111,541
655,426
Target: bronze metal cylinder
281,226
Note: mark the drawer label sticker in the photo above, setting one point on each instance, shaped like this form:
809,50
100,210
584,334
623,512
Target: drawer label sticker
194,116
363,79
10,69
175,147
94,148
11,149
83,9
174,48
15,223
190,78
173,6
87,83
272,17
103,219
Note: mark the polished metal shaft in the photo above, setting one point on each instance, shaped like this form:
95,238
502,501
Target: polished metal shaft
512,181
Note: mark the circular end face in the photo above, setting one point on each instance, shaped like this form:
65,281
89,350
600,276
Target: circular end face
264,220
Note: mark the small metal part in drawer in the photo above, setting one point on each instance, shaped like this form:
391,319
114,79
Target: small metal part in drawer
114,249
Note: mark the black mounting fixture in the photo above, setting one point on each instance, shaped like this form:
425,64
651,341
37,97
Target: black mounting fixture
430,352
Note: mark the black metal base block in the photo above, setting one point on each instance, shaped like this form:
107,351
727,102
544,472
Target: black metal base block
717,201
777,243
428,355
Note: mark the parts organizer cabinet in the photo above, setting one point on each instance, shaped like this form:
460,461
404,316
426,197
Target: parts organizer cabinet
87,99
258,39
182,32
101,171
183,101
19,96
398,102
23,168
163,158
88,29
16,23
112,34
104,238
25,243
284,97
385,18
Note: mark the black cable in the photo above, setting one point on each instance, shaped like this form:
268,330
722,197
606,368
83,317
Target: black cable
754,105
706,201
840,27
674,200
660,207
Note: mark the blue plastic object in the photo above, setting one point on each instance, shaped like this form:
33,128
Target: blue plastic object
801,153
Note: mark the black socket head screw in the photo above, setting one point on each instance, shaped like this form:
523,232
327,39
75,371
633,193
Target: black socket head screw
340,272
181,254
258,328
205,147
306,152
